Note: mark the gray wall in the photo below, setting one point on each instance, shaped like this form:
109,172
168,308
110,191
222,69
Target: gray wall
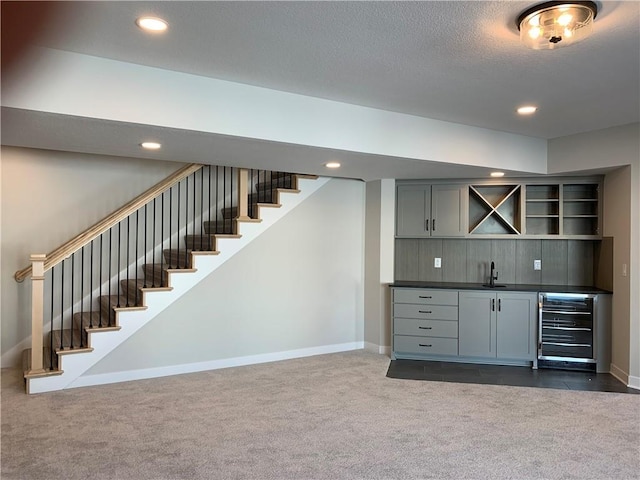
379,246
564,262
48,198
617,191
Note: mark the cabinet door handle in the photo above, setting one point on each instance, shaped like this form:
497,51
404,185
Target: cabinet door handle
433,225
420,296
499,304
423,345
427,224
424,311
493,304
425,328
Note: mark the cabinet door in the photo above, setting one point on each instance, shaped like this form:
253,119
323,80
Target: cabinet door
477,324
413,207
515,325
447,210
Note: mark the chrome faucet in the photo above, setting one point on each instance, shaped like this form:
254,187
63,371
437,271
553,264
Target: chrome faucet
493,276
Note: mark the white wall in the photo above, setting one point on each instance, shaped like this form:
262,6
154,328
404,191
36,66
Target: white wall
297,286
48,198
614,147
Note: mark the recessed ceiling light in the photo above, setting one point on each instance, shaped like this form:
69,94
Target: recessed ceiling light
527,110
152,24
497,174
151,145
332,165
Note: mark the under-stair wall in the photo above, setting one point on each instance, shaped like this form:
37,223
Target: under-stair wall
296,290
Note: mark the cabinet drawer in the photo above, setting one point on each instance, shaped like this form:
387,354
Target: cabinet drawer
425,345
431,328
432,312
431,297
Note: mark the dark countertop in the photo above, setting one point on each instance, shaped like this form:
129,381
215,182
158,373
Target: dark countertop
507,288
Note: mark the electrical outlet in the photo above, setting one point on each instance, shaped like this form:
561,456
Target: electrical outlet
437,262
624,269
537,264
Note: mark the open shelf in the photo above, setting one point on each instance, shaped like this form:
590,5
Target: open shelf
580,209
542,210
494,209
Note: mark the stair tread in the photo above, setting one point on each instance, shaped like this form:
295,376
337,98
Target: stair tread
114,300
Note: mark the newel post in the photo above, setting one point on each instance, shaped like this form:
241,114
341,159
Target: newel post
243,194
37,312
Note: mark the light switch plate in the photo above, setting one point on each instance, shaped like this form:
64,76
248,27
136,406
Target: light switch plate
537,264
437,262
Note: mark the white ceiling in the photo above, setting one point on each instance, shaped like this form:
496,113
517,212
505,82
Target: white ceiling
456,61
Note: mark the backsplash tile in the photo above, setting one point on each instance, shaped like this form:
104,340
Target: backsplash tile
564,262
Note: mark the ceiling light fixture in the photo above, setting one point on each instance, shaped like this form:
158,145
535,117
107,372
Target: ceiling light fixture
527,110
152,24
556,24
497,174
151,145
332,165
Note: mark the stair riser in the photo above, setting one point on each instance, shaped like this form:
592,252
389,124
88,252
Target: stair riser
175,259
280,182
131,291
155,276
107,311
80,339
221,227
201,242
96,320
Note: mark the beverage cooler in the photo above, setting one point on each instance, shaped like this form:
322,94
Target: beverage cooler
573,331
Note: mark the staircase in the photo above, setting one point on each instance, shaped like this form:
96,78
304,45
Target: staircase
127,304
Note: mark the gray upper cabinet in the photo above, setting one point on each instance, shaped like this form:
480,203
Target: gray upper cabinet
551,207
430,210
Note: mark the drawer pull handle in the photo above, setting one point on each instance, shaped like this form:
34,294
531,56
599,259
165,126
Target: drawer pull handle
425,328
423,345
421,296
424,311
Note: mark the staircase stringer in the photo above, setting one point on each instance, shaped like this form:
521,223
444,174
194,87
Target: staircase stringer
130,320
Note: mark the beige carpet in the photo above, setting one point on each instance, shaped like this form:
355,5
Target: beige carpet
327,417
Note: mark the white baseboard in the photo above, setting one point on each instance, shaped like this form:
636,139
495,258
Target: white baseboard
130,375
380,349
619,374
634,382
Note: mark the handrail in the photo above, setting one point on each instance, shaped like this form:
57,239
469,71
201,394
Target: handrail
102,226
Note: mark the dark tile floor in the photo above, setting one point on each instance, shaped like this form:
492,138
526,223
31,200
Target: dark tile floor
505,375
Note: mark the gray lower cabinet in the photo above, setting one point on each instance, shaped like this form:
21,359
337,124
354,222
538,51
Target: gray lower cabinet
497,325
425,323
466,325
